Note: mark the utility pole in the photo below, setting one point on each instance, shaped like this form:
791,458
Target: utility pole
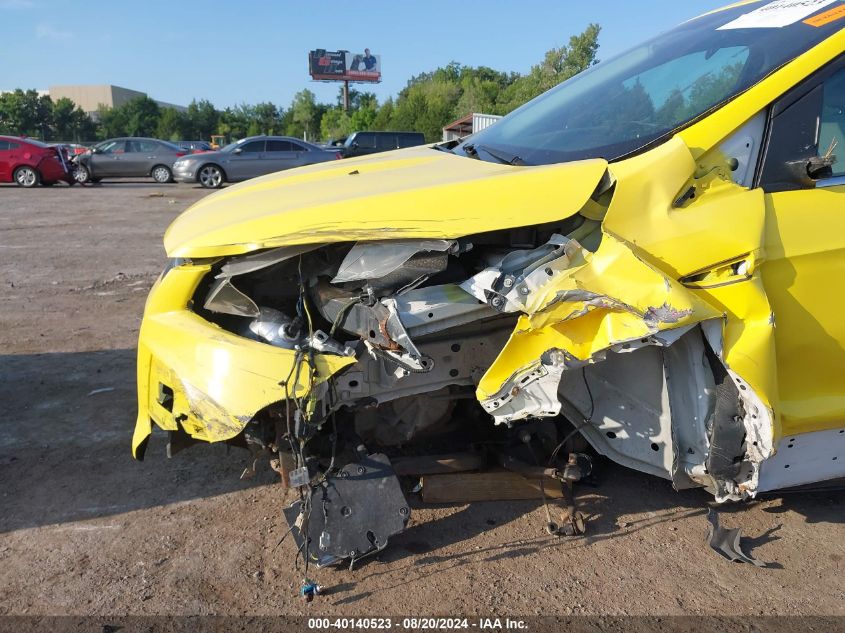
346,95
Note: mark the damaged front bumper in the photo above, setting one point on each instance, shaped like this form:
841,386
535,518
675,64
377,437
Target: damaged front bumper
196,378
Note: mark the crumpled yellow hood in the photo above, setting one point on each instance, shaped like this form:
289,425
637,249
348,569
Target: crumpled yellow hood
413,193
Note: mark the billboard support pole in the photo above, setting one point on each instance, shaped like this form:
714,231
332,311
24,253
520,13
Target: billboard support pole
346,95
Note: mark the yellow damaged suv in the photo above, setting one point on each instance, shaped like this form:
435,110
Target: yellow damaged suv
641,263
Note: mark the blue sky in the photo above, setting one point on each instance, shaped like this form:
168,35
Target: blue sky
250,51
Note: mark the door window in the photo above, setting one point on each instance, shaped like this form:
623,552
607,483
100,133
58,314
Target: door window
386,142
275,145
253,147
365,141
142,147
112,147
832,121
4,145
806,145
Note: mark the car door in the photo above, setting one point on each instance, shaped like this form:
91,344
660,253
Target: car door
5,161
281,154
804,183
107,160
245,161
140,157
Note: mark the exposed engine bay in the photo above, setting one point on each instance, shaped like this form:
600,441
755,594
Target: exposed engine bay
427,326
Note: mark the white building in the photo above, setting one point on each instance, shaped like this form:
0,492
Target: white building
470,124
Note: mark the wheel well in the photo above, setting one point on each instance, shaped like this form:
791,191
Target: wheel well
20,165
204,165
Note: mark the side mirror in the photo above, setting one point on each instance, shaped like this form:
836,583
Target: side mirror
237,150
354,145
95,150
807,171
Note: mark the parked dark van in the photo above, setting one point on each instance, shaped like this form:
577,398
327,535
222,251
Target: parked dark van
361,143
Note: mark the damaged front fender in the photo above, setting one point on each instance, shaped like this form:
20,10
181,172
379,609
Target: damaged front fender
657,350
196,377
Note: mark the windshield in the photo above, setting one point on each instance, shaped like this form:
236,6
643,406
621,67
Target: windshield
643,96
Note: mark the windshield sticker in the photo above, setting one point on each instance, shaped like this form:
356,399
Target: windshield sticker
827,17
777,14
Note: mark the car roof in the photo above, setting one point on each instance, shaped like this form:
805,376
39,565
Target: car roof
275,137
133,138
385,132
266,137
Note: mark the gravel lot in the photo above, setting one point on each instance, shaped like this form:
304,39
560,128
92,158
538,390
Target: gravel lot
86,530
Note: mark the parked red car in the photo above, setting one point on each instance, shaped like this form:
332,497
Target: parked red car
28,162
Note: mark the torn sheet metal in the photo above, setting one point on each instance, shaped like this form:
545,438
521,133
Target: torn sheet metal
378,324
746,342
263,259
727,541
612,299
585,307
373,260
223,297
352,515
436,308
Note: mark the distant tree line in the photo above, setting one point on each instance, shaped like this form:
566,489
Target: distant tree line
25,112
427,103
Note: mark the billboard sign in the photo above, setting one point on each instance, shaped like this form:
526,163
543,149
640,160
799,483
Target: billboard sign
326,65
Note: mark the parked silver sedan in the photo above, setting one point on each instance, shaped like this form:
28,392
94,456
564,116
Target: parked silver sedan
248,158
127,158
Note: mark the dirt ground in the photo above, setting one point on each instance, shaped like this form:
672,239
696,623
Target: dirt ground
86,530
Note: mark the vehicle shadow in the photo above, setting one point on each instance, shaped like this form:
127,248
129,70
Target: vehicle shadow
66,422
608,509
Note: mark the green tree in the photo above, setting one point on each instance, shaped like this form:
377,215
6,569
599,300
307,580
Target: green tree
384,115
84,128
558,65
25,113
427,106
44,117
305,116
112,122
63,119
203,118
267,119
363,118
235,122
142,115
173,125
335,123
